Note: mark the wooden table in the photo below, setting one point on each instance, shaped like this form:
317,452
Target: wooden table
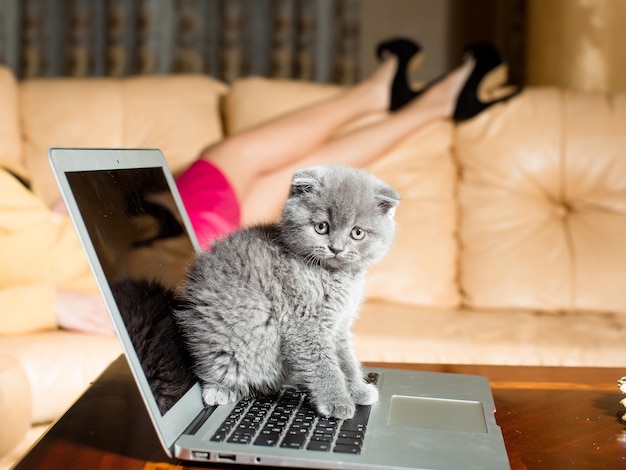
551,417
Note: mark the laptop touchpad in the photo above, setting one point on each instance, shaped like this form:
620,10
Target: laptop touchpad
437,414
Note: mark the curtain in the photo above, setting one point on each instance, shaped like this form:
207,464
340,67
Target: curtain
302,39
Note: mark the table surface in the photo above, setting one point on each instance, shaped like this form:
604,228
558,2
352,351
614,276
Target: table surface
551,418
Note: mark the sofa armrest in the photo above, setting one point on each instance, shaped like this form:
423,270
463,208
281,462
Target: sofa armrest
15,403
59,366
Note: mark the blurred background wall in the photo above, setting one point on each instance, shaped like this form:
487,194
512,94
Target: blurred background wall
444,28
570,43
578,44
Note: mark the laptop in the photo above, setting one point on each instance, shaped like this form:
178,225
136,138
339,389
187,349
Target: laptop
139,242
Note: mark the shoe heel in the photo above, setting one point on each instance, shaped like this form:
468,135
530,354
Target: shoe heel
485,85
410,58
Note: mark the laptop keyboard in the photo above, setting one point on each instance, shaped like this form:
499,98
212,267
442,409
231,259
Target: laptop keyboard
290,421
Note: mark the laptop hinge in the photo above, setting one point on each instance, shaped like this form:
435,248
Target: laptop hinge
199,420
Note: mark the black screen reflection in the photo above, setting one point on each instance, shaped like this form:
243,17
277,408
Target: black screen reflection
144,250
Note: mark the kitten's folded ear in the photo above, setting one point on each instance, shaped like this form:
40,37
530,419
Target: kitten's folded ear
306,181
387,200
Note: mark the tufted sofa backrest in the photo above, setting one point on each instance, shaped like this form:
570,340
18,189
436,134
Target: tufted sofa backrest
177,114
523,206
542,203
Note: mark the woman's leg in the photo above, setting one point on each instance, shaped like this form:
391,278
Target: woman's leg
244,157
363,145
261,201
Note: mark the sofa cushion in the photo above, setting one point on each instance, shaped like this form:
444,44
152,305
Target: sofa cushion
388,332
421,266
543,203
177,114
59,365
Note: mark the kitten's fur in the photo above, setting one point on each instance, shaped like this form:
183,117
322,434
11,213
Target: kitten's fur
273,304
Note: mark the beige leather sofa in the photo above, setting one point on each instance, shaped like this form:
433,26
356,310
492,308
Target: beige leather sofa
511,246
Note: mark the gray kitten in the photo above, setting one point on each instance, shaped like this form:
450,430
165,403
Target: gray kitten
273,304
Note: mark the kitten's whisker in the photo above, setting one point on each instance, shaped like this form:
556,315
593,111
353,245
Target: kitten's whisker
312,260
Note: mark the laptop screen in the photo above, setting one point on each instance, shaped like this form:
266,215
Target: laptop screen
144,250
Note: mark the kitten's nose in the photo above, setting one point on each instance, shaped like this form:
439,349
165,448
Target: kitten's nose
336,250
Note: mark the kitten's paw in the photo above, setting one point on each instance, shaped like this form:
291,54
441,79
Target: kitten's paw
340,409
365,394
216,395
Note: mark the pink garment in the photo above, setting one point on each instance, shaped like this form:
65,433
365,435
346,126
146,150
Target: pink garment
210,201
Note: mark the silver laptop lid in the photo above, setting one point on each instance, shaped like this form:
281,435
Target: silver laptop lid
126,209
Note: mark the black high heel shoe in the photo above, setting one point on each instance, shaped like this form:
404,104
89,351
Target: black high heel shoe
410,56
484,87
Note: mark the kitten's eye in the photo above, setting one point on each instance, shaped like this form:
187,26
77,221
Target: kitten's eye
321,228
357,233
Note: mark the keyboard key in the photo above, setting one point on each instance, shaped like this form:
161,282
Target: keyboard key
219,436
245,428
270,428
342,449
268,440
358,421
295,430
342,441
351,434
293,442
327,423
319,446
326,437
237,438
